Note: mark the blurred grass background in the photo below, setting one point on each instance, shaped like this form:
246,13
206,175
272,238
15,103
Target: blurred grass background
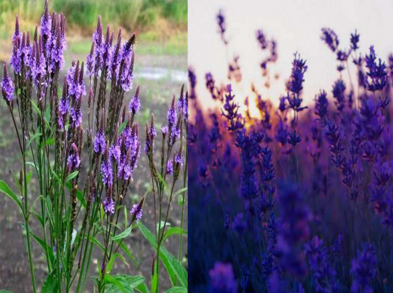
161,25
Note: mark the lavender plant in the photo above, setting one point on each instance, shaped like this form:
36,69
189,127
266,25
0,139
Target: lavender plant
65,148
283,202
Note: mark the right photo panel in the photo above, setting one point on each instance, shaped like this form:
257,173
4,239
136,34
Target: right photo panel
290,153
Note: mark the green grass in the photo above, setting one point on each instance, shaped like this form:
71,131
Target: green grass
147,44
141,15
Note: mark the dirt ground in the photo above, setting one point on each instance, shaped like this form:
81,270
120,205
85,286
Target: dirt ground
14,266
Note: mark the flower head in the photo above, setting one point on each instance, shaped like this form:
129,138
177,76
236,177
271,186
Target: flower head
99,143
7,86
222,278
109,206
330,38
135,103
137,211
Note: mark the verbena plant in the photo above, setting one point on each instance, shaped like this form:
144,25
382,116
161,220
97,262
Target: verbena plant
54,147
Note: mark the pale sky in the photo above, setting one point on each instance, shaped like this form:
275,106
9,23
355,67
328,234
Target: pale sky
296,26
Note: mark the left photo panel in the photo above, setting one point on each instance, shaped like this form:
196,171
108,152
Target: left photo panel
93,132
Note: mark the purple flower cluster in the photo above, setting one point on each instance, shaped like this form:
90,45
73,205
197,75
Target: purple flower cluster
7,86
222,278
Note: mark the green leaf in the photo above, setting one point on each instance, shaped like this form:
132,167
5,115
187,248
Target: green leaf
177,290
72,176
49,141
47,115
7,191
117,283
112,261
35,107
173,230
41,242
98,243
136,282
124,247
5,291
122,235
28,177
50,283
161,225
33,138
130,283
172,265
162,181
122,126
180,191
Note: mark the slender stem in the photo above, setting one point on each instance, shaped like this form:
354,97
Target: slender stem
183,202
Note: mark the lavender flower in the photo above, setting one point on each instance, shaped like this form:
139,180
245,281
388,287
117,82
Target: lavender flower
15,61
137,211
76,116
299,67
223,278
109,206
73,161
16,34
169,167
330,38
172,116
135,103
323,272
321,105
339,94
363,270
107,173
38,66
178,159
376,75
99,143
7,86
90,61
46,23
222,26
355,41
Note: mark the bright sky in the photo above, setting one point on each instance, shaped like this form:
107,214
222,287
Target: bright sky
296,26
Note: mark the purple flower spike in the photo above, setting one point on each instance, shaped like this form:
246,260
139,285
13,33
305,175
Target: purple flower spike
136,210
7,86
364,270
38,70
164,129
223,278
90,61
172,115
169,167
99,143
109,206
107,173
17,31
46,22
76,116
64,106
330,38
135,103
73,161
179,159
15,61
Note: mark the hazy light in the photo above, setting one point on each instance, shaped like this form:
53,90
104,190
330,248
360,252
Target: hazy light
296,26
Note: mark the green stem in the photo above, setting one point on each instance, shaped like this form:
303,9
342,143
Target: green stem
183,203
26,211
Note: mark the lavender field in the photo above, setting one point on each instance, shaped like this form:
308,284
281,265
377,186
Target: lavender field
289,196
